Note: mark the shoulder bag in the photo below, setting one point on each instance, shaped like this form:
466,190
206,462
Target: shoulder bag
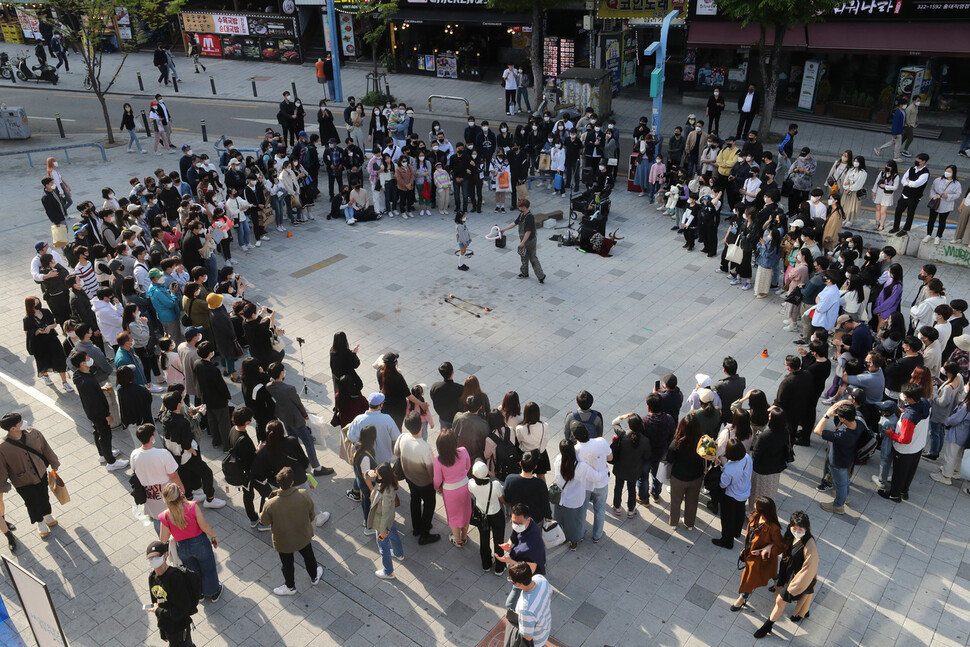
734,253
934,203
480,519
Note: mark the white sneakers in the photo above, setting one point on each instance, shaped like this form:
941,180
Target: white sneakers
67,385
321,519
936,241
352,221
368,532
198,497
319,576
382,575
118,465
215,503
155,388
260,242
280,228
284,590
927,238
114,452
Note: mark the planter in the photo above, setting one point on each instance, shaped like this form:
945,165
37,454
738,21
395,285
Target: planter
820,109
855,113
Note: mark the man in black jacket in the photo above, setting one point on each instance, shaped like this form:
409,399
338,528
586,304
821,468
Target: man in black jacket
659,428
291,412
461,171
730,388
445,395
160,61
574,154
173,597
792,397
96,409
214,394
52,204
185,162
171,199
749,107
333,159
241,445
180,441
485,145
284,117
715,106
816,363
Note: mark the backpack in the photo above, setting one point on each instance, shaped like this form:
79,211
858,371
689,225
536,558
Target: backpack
195,585
866,446
507,455
137,489
232,468
591,423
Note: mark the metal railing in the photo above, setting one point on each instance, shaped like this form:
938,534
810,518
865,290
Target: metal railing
444,96
220,147
67,156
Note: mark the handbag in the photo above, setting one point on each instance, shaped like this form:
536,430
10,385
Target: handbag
795,298
173,552
59,235
275,343
860,194
545,162
479,518
934,203
555,494
57,486
744,552
512,637
522,191
663,471
295,202
787,187
237,348
557,182
552,536
734,254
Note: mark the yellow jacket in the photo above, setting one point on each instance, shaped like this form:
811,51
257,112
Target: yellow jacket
726,160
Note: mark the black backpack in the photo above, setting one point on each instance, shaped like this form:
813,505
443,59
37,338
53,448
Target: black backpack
195,585
591,423
232,468
507,455
866,446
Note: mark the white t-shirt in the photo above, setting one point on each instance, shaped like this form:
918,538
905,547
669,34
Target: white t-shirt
594,454
152,466
509,76
488,505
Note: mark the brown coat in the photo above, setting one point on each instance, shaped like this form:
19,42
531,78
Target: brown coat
757,571
20,467
290,513
808,573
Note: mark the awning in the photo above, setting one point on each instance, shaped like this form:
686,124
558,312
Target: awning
914,39
485,18
707,34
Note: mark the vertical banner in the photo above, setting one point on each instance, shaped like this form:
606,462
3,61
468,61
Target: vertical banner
810,75
37,605
613,63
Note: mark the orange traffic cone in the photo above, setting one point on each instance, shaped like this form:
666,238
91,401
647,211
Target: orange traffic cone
764,353
289,234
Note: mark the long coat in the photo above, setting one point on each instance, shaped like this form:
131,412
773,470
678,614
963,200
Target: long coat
757,571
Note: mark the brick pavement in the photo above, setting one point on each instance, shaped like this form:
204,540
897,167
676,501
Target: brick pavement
889,574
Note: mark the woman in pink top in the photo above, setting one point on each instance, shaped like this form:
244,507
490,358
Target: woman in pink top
451,467
184,522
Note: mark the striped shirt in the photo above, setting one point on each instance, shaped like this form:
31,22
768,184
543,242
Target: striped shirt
89,282
533,609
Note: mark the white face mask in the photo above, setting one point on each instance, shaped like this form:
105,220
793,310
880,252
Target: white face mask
519,527
55,164
698,128
716,93
471,123
485,128
156,562
948,174
505,130
89,362
855,164
798,535
474,155
298,103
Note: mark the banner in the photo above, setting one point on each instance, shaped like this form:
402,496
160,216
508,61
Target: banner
38,606
806,97
642,12
249,36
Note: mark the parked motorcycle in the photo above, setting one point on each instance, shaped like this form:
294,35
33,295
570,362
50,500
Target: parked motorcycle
6,71
40,73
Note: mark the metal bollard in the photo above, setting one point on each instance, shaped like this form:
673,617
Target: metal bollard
254,86
293,86
205,135
141,85
60,125
212,82
144,119
175,84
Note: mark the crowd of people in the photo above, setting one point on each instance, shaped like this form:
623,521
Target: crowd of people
137,304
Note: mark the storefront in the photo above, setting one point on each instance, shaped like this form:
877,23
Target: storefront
627,27
457,39
248,36
854,63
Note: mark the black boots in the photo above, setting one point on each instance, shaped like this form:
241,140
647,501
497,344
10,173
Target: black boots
765,629
11,541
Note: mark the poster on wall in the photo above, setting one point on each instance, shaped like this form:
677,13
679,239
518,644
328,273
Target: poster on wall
345,25
613,63
228,24
429,62
270,49
447,66
706,8
806,96
210,44
247,36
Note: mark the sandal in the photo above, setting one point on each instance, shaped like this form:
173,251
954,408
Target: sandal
454,543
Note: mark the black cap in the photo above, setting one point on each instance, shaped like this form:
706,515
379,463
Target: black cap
159,547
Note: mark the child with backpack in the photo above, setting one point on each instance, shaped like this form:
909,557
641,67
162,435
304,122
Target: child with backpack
464,238
416,403
488,515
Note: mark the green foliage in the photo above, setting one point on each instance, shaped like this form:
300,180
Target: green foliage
886,97
379,16
777,12
376,98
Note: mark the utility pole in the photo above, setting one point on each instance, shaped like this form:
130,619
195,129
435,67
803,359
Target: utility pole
659,48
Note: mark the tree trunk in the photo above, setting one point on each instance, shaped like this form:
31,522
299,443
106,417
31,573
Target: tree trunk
535,51
107,118
770,73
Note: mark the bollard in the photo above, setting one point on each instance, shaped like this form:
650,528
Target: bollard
212,82
205,135
60,125
141,86
254,86
293,85
144,119
175,84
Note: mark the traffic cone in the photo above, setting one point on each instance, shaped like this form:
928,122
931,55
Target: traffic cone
764,353
289,234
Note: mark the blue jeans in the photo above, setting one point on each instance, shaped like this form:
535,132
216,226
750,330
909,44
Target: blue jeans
886,460
965,144
303,433
778,273
840,479
522,96
598,498
390,543
935,442
348,213
212,271
196,554
648,472
279,206
133,139
245,234
424,430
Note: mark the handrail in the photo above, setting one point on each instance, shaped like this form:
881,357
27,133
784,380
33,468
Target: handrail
445,96
67,156
220,149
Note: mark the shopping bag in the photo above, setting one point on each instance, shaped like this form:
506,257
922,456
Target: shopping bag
173,552
504,181
317,427
552,535
346,447
522,191
58,488
545,162
663,471
557,182
59,235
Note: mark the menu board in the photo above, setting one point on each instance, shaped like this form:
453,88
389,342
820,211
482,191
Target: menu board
271,49
248,36
289,52
200,23
241,47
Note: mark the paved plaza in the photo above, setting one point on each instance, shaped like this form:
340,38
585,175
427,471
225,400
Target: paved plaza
889,574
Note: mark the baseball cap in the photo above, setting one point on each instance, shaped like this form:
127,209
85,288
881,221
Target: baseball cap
703,380
185,147
705,395
192,331
155,273
389,357
159,547
480,470
842,319
375,399
302,133
39,245
795,224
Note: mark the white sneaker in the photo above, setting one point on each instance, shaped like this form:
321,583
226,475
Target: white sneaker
117,452
215,503
259,242
67,385
280,228
352,221
394,213
926,238
230,262
321,519
284,590
939,478
47,380
936,241
118,465
878,481
319,576
43,530
399,558
154,388
382,575
369,532
198,497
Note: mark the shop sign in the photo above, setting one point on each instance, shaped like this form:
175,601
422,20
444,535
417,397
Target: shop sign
642,12
247,36
345,24
900,10
448,2
124,23
613,63
210,45
706,8
235,25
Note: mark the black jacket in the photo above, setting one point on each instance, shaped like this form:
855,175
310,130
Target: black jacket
92,397
173,592
755,102
769,451
345,362
485,143
81,310
53,207
730,389
792,395
210,384
243,446
223,332
629,462
159,58
900,371
445,396
135,405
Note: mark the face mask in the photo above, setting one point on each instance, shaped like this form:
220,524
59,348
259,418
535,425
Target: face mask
485,129
535,128
156,562
420,158
602,169
797,535
111,196
505,130
855,164
558,146
571,136
546,119
597,129
519,527
387,105
299,103
948,174
434,148
697,128
659,161
916,103
549,140
89,362
474,155
747,159
831,203
815,200
471,123
470,147
716,93
592,121
401,112
882,257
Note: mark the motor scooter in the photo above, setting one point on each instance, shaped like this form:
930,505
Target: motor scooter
44,73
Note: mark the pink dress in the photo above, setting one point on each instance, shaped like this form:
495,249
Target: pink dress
453,483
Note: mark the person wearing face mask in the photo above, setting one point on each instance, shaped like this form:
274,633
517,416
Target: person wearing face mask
423,183
853,183
471,131
574,149
715,106
749,107
504,139
695,144
909,125
753,147
522,84
500,181
509,77
476,180
24,458
797,573
611,153
887,181
675,147
404,178
557,166
802,174
527,245
377,130
398,124
284,116
914,185
944,193
96,409
485,143
592,155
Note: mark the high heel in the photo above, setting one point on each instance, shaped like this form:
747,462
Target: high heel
765,629
795,618
10,526
737,607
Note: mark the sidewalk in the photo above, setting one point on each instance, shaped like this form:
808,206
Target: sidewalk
233,81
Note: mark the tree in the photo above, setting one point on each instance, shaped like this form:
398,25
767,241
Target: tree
85,22
779,15
376,15
537,8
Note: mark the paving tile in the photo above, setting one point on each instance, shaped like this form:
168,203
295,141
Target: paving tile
964,571
636,295
576,371
345,625
393,287
565,333
726,334
589,615
616,272
701,597
705,301
636,339
459,613
555,301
